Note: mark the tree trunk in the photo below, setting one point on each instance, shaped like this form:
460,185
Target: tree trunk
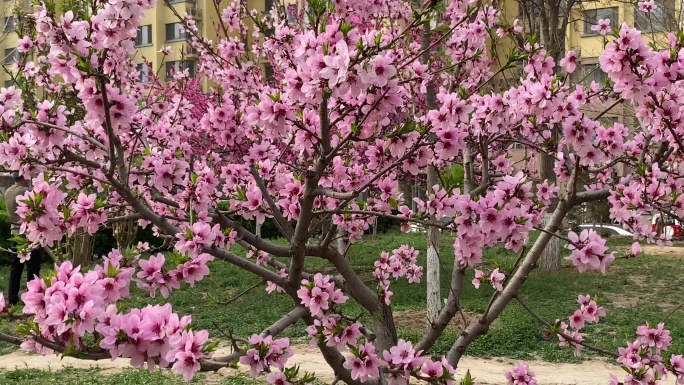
550,259
384,328
432,275
342,244
81,248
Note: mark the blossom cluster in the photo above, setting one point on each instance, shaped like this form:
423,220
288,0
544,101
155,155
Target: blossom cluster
39,210
588,313
401,362
643,359
320,295
589,251
496,279
72,304
521,375
403,262
265,352
153,276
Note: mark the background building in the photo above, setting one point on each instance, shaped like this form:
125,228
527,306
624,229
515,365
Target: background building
160,27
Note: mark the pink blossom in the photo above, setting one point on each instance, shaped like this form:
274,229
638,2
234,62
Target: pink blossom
521,375
577,320
496,279
602,26
648,6
569,62
277,378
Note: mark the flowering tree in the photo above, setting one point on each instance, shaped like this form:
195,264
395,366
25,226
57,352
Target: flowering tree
353,109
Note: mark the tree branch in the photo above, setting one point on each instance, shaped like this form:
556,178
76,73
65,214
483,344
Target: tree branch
565,336
283,323
283,224
479,327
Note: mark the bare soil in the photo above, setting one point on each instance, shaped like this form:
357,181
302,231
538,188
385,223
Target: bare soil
487,371
416,319
655,250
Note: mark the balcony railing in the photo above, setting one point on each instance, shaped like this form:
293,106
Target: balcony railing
191,52
194,12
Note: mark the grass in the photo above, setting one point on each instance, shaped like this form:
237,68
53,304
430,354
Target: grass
633,292
71,376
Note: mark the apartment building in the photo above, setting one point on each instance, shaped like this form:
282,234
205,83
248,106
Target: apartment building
160,27
589,44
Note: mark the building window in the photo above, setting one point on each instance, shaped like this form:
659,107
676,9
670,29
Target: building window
176,32
11,56
145,75
268,72
660,20
144,36
268,5
173,67
592,16
593,72
8,25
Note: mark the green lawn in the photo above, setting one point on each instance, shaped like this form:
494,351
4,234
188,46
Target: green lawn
95,377
633,292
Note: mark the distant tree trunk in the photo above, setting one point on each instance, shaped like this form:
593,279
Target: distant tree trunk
124,233
553,40
80,248
432,277
405,188
551,259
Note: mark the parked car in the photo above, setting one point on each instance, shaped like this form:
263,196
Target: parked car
667,225
606,228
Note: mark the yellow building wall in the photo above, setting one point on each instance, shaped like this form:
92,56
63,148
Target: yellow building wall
205,16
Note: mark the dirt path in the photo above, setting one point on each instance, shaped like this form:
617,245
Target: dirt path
488,371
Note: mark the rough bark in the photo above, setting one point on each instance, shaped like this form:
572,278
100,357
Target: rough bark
433,266
553,20
550,260
432,275
80,248
342,243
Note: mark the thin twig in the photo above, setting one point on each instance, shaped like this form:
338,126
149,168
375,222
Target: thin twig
242,293
681,305
565,336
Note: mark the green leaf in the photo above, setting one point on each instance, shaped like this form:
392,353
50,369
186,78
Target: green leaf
291,372
112,271
23,330
468,379
19,240
393,203
345,28
241,195
209,346
276,97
